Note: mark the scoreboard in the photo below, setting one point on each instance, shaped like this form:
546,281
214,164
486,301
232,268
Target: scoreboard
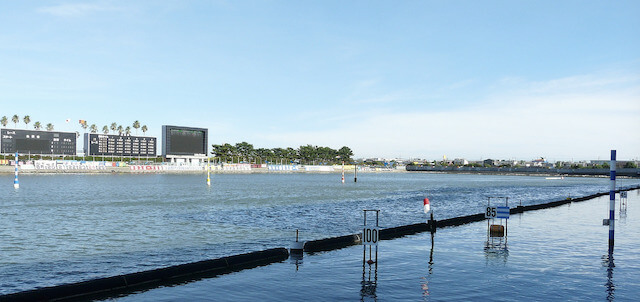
184,141
37,142
119,145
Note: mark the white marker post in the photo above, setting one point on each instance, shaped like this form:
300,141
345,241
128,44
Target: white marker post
343,171
612,200
16,183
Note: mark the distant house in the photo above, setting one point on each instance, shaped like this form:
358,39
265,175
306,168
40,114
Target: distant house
489,162
460,162
541,162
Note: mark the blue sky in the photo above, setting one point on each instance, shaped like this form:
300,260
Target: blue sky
465,79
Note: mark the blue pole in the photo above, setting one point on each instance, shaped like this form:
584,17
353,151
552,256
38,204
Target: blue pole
16,183
612,200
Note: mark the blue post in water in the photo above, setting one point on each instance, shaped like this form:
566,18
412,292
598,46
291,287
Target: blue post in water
612,200
16,184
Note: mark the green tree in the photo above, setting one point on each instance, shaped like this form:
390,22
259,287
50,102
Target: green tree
136,125
114,127
345,153
105,129
37,125
84,126
244,149
93,128
127,131
308,153
15,119
630,165
225,151
292,154
263,153
120,129
26,119
279,153
4,121
144,129
49,127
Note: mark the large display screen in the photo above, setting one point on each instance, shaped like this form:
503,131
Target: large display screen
184,141
37,142
119,145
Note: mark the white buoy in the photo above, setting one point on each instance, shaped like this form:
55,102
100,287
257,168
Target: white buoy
16,183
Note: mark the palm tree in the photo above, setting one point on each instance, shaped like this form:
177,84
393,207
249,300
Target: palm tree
27,120
15,119
136,125
127,131
49,127
4,121
105,129
144,129
93,128
84,125
114,126
120,129
37,125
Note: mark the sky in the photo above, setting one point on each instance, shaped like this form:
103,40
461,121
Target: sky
393,79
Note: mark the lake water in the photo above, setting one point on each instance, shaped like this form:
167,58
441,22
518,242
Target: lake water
66,228
557,254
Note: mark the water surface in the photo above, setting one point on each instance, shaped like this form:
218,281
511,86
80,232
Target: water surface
66,228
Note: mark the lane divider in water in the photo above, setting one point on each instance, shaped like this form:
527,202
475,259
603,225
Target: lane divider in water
105,287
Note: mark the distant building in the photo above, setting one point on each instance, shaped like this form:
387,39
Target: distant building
541,162
489,162
460,162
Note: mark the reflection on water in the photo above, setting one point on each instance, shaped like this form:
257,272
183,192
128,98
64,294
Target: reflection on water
496,256
607,261
297,259
369,282
369,274
425,280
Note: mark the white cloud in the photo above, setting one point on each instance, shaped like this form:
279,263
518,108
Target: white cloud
578,117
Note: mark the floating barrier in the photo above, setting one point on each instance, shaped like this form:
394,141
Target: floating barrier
149,279
332,243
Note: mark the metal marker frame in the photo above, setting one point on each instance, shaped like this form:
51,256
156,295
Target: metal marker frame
502,214
368,285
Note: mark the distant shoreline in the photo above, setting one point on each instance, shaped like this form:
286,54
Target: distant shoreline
186,170
620,172
9,170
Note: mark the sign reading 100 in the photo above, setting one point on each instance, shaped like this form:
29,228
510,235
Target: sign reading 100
370,236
